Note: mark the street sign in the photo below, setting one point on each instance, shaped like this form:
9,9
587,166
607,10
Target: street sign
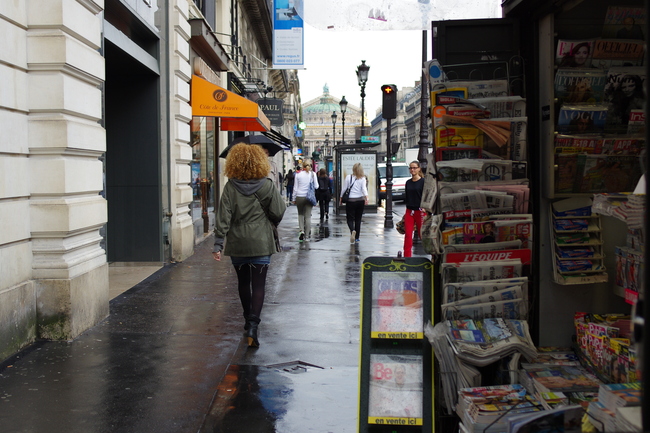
369,139
272,107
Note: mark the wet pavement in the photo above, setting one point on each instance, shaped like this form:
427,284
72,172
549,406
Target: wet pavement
171,356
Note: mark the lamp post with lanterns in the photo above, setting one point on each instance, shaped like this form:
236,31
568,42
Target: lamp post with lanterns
362,77
334,116
344,107
327,144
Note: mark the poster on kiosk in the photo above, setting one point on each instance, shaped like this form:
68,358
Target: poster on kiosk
368,161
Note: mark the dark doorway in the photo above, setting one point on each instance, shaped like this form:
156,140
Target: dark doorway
133,162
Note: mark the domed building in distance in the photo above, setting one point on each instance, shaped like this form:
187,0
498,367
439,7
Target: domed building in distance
320,133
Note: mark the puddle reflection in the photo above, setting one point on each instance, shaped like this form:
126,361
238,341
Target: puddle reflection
250,399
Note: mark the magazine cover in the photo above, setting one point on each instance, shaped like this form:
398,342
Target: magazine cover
625,91
624,22
479,233
609,53
608,173
451,135
580,85
397,305
441,90
622,145
636,124
573,53
582,119
515,230
565,177
395,388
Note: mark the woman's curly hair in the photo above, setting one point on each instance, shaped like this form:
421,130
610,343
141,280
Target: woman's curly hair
246,162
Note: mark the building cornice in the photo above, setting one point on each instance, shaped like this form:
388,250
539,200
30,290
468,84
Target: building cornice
260,19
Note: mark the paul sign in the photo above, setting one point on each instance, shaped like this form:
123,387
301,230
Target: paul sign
272,107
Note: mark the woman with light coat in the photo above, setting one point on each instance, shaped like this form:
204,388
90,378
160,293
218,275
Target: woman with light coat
301,185
358,200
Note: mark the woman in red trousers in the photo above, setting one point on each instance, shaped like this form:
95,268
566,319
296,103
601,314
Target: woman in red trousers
413,215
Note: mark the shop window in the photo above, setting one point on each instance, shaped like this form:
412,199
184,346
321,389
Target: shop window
202,165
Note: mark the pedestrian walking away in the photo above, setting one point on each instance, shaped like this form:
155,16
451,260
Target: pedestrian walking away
250,205
324,193
301,185
355,205
288,179
414,214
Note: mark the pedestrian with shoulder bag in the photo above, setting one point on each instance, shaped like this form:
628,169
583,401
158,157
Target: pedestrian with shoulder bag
355,196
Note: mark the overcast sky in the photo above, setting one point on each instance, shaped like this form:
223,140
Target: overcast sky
334,46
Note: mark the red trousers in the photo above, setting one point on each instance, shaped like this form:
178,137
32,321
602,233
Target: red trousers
411,218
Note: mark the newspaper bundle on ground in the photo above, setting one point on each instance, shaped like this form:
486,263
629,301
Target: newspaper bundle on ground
395,389
488,408
566,419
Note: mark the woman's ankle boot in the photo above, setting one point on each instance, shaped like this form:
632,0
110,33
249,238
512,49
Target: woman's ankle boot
246,325
251,333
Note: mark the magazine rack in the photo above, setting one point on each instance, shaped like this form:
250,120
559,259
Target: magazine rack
570,240
511,70
395,389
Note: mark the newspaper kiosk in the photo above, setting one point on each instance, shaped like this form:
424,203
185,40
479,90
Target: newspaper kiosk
396,372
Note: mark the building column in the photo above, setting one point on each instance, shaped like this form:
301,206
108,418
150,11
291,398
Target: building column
179,75
65,73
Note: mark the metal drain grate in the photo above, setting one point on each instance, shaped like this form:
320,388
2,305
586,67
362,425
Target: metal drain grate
294,367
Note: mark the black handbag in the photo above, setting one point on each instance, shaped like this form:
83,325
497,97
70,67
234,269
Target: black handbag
346,194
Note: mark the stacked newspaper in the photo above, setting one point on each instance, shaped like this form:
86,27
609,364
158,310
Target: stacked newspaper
515,339
485,288
629,208
458,356
616,409
628,419
453,372
488,408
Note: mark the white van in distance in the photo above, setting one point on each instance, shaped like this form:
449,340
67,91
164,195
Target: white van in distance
400,176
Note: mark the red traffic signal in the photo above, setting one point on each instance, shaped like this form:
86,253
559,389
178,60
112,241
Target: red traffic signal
389,101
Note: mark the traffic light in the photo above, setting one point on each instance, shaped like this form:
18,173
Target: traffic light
389,101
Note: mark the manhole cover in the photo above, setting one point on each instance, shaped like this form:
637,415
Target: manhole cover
294,367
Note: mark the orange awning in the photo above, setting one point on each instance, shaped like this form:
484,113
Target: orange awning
236,113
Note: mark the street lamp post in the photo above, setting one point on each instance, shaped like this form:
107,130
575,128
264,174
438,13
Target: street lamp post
334,116
327,144
344,107
337,175
362,77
